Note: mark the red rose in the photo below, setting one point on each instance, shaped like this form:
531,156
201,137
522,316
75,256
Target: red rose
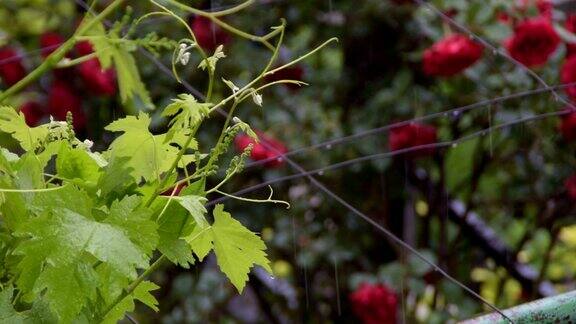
208,34
568,75
571,26
84,48
451,55
411,135
290,73
533,42
259,150
568,126
375,304
570,186
63,98
49,42
11,67
33,112
545,8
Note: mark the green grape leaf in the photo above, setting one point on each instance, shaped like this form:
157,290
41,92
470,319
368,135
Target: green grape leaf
7,312
141,293
129,80
175,224
116,178
135,222
39,313
237,248
148,155
14,123
200,240
55,258
191,111
195,206
69,197
75,163
66,288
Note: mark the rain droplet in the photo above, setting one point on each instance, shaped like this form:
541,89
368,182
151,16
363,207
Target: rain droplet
495,51
455,113
454,145
321,172
328,146
279,159
272,278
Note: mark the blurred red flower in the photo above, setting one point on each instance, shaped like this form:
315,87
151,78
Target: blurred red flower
208,34
570,186
568,126
375,304
261,151
49,42
63,98
451,55
571,27
545,8
97,80
84,48
568,75
533,42
11,68
295,72
411,135
33,112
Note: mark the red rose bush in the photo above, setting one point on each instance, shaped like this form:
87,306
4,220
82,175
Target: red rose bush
451,55
375,304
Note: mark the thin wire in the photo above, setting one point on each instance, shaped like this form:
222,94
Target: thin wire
391,154
378,130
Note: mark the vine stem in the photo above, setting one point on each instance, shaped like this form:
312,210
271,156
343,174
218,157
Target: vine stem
213,16
54,58
130,289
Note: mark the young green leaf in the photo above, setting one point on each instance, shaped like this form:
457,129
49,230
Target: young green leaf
141,293
195,206
237,248
186,113
75,163
14,123
211,61
148,155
